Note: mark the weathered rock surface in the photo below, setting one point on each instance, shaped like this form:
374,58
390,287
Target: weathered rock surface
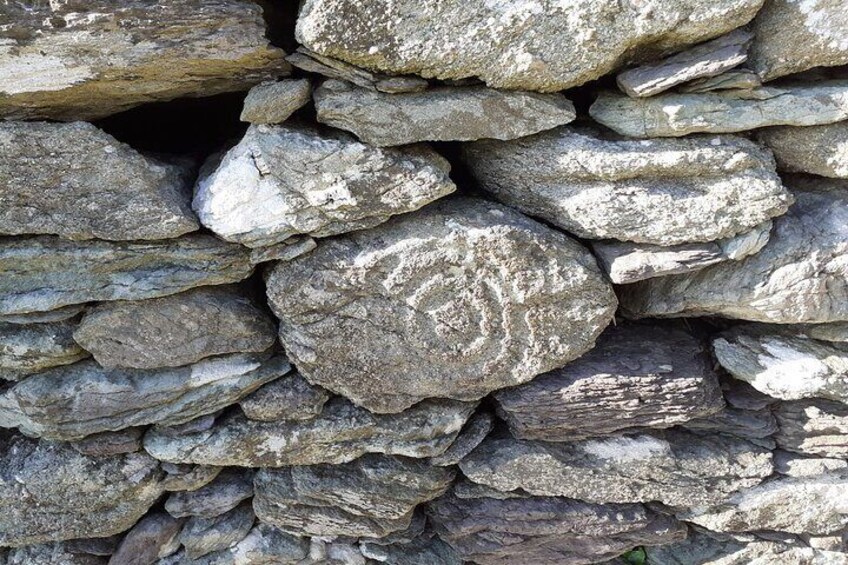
57,315
50,492
274,102
546,46
677,468
662,191
448,113
154,536
837,333
223,494
637,375
794,465
287,398
474,432
818,150
340,434
737,79
800,276
816,427
281,181
783,365
78,182
48,554
283,251
423,550
82,399
201,536
795,36
372,496
27,349
455,301
675,115
264,545
626,262
175,330
188,477
94,546
71,61
44,273
547,530
754,425
110,443
706,60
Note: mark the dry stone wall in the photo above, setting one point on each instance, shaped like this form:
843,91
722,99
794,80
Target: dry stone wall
498,282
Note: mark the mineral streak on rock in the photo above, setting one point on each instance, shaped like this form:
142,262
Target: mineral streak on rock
27,349
818,150
84,60
459,299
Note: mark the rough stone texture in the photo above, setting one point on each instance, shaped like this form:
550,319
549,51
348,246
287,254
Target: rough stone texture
816,427
201,536
800,276
783,365
78,182
462,298
423,550
547,530
794,465
82,399
705,60
283,251
662,191
636,376
50,492
675,115
439,114
94,546
287,398
264,545
218,497
57,315
188,477
675,467
110,443
154,536
27,349
737,79
48,554
837,333
312,62
819,150
794,36
340,434
754,425
546,46
175,330
372,496
474,432
274,102
44,273
626,262
281,181
75,60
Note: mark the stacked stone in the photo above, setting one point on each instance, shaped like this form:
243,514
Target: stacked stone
630,332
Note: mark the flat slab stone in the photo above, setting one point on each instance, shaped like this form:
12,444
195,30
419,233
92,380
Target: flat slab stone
818,150
637,375
800,276
58,553
79,182
660,191
27,349
60,63
439,114
474,432
459,299
340,434
83,399
201,536
45,273
736,79
675,115
674,467
175,330
274,102
814,427
111,443
152,537
264,544
57,315
545,46
288,398
423,550
216,498
281,181
372,496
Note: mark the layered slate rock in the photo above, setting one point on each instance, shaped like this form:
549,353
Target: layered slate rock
795,36
44,273
175,330
545,46
68,61
455,301
79,182
280,181
287,398
218,497
800,276
637,375
340,434
439,114
111,443
274,102
27,349
50,492
84,398
818,150
48,554
201,536
705,60
737,79
264,544
675,467
372,496
675,115
662,192
58,315
547,529
426,549
783,364
154,536
815,427
474,432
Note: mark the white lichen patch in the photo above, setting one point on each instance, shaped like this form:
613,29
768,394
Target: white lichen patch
624,449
